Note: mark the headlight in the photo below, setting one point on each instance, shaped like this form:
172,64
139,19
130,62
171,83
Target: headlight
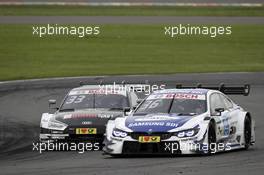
119,133
56,125
188,132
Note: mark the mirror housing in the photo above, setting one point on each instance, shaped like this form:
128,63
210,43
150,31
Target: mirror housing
126,110
219,111
52,102
139,101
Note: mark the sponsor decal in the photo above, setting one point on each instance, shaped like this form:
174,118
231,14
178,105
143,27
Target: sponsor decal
225,122
86,123
77,116
189,96
155,123
67,116
105,115
186,91
96,91
157,118
171,124
149,139
177,96
85,131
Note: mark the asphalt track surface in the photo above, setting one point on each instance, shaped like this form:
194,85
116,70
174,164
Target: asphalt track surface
22,102
128,20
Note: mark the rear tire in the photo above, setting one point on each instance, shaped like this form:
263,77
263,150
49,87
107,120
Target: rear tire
247,132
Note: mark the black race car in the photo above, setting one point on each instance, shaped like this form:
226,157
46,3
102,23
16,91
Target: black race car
85,111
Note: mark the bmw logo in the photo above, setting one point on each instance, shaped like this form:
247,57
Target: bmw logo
149,131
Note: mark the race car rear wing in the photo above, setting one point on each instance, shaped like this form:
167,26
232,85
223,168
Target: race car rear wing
230,90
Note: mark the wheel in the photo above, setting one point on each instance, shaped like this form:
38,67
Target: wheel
211,138
247,132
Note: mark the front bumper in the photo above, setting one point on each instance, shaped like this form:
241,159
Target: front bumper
170,146
71,138
150,148
68,136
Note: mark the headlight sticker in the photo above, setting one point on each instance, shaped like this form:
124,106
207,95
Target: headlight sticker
188,133
119,133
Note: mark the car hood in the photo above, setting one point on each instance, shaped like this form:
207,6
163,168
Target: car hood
155,122
87,117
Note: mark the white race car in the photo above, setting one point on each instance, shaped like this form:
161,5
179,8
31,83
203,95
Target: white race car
183,121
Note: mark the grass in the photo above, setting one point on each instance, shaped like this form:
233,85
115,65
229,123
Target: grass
129,11
127,49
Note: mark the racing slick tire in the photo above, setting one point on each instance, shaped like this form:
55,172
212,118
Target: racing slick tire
211,137
247,132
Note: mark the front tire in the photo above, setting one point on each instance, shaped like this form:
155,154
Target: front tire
211,138
247,132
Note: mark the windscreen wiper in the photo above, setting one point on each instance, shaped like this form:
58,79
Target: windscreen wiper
67,110
141,113
118,109
188,114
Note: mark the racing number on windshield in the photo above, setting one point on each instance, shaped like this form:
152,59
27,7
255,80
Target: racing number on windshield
75,99
151,104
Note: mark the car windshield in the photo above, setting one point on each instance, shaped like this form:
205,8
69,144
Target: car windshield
179,103
84,101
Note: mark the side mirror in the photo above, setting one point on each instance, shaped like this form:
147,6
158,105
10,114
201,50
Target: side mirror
219,111
52,102
139,101
126,110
